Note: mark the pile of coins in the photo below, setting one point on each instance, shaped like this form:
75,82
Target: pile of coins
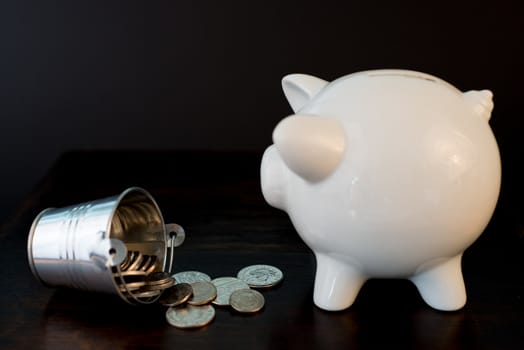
137,280
191,298
190,295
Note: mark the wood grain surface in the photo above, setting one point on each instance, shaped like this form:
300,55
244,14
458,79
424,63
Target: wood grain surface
216,197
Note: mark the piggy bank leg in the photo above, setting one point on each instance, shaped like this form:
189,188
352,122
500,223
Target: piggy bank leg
337,283
442,285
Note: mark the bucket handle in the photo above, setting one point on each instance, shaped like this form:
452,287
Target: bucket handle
175,237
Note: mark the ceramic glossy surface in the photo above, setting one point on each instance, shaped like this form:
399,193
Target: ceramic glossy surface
384,174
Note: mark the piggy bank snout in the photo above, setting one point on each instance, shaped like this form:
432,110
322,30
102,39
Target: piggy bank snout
273,178
311,146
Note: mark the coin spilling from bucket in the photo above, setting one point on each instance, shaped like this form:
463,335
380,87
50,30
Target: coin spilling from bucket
191,298
137,278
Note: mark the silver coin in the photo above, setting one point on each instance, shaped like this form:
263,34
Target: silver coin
160,286
190,316
132,286
146,263
152,265
191,277
137,262
246,300
159,277
131,273
176,294
225,286
146,294
260,276
203,293
129,259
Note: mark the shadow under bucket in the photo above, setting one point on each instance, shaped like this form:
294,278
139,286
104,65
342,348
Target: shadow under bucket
107,245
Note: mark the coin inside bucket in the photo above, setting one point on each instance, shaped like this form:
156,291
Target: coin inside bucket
138,223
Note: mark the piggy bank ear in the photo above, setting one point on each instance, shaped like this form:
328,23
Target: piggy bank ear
311,146
481,102
300,88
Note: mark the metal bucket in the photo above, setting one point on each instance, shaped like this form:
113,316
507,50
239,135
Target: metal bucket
89,245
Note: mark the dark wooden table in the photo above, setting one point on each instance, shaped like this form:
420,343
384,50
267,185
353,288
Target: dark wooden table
217,198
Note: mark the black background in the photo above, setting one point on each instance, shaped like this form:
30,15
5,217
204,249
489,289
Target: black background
206,74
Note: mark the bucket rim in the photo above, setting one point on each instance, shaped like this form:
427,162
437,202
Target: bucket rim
30,244
116,205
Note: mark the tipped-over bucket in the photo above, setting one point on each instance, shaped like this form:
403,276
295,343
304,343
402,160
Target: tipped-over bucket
103,245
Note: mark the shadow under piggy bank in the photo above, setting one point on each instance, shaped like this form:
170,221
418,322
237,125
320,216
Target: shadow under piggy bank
378,320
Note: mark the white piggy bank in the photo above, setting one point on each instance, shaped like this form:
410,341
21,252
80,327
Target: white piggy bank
384,174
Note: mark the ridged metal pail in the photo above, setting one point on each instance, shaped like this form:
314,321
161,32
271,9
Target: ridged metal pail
100,245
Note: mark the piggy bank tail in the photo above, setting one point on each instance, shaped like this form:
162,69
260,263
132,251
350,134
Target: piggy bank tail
273,178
